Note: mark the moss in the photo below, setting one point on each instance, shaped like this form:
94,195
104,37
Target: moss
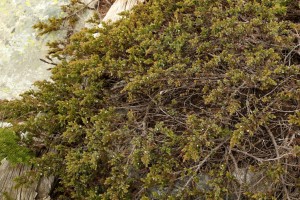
11,150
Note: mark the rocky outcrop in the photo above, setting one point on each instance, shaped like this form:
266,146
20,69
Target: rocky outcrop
21,47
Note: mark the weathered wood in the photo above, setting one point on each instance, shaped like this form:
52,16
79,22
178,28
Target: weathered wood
118,7
37,191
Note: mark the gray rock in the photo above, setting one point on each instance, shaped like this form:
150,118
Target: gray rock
20,47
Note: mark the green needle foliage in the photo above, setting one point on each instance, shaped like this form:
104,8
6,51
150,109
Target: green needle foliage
181,99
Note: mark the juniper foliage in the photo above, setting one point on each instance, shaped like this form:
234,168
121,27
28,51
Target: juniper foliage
173,102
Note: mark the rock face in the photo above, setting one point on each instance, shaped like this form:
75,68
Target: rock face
37,191
20,47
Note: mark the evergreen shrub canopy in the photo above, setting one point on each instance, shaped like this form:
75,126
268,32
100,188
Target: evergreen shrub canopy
181,99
